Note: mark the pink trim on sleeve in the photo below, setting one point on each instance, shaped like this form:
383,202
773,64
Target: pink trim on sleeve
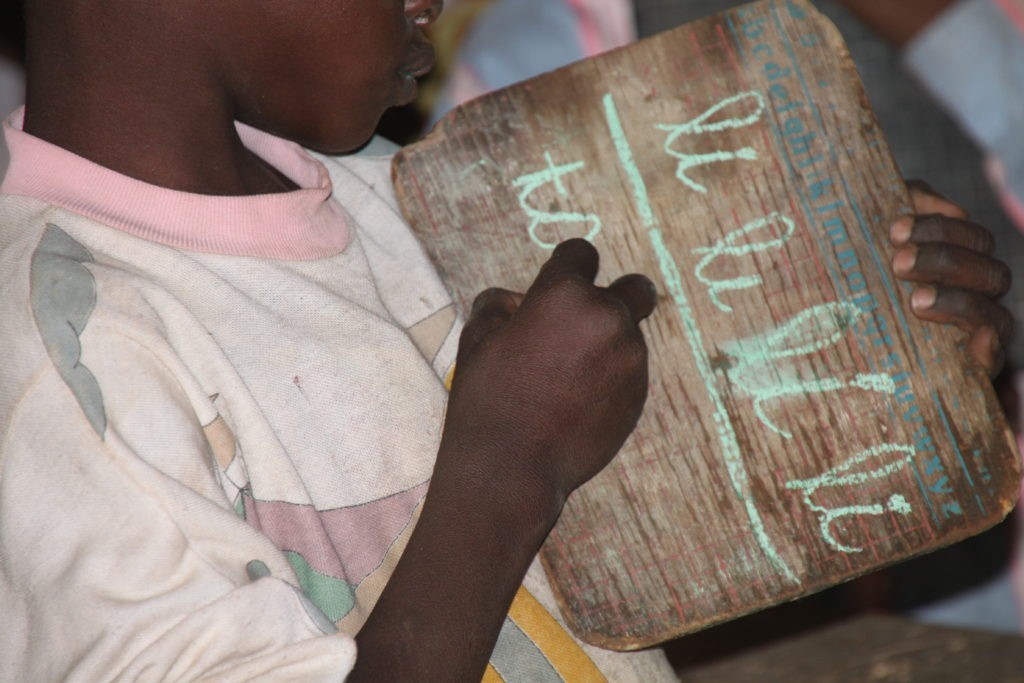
303,224
603,24
1014,10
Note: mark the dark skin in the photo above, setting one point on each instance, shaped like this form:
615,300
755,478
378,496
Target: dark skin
143,87
550,383
958,280
546,392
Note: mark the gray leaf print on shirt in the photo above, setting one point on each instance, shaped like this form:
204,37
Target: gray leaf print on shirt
63,298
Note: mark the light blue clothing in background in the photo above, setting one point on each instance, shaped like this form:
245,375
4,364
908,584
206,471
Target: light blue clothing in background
514,40
972,60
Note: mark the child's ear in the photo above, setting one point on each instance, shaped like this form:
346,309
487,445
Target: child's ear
423,12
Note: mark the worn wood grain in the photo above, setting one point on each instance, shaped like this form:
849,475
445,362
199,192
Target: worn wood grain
802,427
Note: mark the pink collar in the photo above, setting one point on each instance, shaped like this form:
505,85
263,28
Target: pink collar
303,224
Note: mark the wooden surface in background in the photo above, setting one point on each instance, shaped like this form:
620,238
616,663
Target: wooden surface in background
802,426
877,649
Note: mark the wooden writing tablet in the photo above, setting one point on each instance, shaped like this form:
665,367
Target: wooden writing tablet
802,427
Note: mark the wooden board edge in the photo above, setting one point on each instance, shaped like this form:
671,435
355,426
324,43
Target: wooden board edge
1009,496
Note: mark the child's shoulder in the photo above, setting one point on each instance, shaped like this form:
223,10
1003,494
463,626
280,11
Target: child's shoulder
362,185
68,307
63,270
369,169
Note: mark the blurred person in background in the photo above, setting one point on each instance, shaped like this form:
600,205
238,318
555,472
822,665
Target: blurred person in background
484,45
12,72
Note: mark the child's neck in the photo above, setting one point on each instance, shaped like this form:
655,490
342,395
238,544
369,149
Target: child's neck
171,132
165,152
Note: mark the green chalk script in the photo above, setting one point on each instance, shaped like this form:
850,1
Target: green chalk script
756,368
849,474
731,245
738,475
705,123
530,182
771,367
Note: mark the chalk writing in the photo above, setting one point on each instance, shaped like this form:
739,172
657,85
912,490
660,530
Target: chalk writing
730,245
756,370
825,199
530,182
731,453
705,124
847,474
776,365
784,375
472,168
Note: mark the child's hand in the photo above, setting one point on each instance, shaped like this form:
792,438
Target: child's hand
959,278
549,384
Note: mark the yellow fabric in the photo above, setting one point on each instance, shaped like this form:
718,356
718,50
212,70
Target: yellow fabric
492,676
564,653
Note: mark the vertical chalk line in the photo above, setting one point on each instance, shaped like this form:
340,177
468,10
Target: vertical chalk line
673,280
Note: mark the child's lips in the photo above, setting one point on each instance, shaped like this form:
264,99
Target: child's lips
416,71
410,88
422,62
418,67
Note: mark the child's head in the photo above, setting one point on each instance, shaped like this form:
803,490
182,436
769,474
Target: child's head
320,72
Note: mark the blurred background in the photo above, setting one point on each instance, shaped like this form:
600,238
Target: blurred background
12,55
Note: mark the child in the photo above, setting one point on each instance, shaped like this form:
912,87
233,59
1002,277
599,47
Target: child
221,405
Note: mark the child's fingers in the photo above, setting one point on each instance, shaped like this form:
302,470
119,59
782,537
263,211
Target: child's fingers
637,292
938,228
926,200
492,308
988,349
495,301
967,310
952,266
952,257
573,259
